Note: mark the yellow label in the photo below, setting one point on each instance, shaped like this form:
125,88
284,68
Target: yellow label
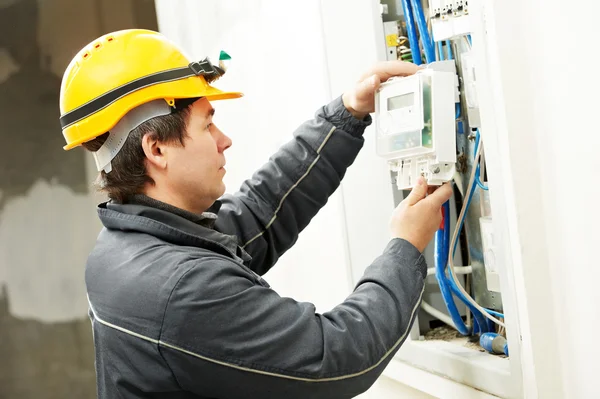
391,40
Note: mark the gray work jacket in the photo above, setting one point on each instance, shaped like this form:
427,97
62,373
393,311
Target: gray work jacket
179,309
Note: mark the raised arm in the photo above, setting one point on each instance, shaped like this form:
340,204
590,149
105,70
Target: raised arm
281,198
272,208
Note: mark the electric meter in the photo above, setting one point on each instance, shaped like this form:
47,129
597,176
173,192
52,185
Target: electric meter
415,123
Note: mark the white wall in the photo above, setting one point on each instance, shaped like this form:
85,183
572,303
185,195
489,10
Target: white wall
550,103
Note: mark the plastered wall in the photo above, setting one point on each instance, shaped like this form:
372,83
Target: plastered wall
48,222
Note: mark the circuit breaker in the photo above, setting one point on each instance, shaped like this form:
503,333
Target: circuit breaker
449,18
415,125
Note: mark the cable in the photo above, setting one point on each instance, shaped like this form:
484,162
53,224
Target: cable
440,260
454,284
442,237
479,182
494,313
411,31
454,243
442,241
423,31
438,314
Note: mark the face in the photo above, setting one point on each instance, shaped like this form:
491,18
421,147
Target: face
194,172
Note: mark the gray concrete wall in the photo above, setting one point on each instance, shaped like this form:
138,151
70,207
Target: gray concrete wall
48,222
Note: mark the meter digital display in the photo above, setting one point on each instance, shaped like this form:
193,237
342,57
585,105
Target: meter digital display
402,101
404,115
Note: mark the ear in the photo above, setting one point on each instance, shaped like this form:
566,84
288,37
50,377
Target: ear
154,151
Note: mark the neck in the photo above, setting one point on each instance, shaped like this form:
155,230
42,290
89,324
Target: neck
178,201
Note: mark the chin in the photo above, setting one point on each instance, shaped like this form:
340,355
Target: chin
222,190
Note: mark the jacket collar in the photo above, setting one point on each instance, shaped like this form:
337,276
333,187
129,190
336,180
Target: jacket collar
172,227
206,219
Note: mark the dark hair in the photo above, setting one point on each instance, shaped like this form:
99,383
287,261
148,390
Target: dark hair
128,175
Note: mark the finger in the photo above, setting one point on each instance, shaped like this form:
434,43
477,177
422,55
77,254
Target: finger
366,89
387,69
441,195
418,192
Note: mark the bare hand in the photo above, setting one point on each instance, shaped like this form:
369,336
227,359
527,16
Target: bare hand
419,216
360,99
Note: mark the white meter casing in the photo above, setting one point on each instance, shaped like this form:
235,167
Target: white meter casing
415,123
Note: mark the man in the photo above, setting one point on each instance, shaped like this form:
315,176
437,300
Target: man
178,307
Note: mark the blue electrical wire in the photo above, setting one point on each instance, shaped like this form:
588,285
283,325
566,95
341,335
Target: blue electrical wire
478,180
494,313
411,31
475,327
442,250
480,319
442,236
423,31
441,260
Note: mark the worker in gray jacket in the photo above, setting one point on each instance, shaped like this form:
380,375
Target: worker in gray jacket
178,305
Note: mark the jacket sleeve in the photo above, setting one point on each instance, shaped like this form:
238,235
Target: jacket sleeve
225,335
278,202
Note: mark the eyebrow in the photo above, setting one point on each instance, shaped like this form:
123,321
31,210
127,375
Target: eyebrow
211,112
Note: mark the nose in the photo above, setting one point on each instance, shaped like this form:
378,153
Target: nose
223,141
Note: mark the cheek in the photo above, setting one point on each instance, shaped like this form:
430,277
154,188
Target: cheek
198,161
199,158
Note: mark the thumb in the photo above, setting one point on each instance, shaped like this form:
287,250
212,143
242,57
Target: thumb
440,195
418,192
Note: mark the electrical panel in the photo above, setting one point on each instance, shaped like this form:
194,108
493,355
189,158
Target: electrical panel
428,124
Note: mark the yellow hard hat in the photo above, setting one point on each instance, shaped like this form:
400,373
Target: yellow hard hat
123,70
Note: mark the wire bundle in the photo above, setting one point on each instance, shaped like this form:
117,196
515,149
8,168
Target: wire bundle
445,242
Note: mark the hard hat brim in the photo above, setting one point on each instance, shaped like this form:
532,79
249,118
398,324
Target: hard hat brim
106,119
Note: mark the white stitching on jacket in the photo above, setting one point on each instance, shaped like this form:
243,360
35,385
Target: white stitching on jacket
344,377
292,188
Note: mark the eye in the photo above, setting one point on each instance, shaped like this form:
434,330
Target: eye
209,126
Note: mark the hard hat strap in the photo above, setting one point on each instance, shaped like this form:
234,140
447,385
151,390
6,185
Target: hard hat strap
118,135
202,68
